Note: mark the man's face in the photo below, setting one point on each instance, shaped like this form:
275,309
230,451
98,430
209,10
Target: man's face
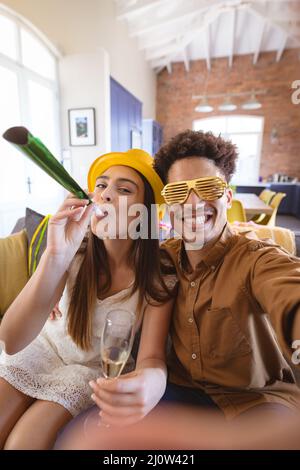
214,212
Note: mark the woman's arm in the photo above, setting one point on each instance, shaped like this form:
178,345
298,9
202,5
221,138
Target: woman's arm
132,396
152,349
28,313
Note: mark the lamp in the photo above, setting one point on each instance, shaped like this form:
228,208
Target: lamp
274,136
227,105
203,106
252,103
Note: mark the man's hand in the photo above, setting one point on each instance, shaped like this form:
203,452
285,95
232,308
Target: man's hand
128,398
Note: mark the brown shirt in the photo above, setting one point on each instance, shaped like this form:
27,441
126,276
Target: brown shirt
231,322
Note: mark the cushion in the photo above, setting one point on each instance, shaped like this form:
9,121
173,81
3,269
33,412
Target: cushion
20,224
14,272
282,236
36,228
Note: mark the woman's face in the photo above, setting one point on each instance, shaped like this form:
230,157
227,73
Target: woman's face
116,190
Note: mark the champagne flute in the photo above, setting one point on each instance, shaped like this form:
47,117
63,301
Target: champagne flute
116,341
115,348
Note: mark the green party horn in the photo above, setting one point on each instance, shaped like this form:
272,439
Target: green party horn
34,149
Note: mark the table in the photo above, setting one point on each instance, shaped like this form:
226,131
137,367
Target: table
252,204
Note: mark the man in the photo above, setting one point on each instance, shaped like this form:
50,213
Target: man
238,306
236,314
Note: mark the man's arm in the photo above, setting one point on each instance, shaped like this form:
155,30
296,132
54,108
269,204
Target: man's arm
275,284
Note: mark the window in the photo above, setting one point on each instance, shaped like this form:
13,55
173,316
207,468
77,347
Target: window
36,57
28,97
244,131
8,31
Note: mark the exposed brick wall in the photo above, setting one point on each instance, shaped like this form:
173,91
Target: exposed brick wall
175,107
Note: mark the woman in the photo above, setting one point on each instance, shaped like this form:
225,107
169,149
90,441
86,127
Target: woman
46,369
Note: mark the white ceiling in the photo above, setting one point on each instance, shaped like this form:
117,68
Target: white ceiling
183,30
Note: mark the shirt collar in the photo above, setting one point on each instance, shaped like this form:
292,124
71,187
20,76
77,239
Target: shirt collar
214,256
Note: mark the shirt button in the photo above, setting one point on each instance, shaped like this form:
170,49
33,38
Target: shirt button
190,320
194,356
193,283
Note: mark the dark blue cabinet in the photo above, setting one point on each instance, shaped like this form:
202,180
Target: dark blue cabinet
250,189
290,205
126,117
152,136
287,205
297,202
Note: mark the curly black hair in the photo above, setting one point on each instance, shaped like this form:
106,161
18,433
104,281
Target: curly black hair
196,143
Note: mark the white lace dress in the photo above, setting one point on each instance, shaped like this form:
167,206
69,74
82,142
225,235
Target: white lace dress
54,368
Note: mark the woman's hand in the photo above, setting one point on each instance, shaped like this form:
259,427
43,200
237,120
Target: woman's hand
56,313
130,397
67,228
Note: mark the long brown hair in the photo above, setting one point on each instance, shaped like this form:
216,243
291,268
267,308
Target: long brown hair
144,257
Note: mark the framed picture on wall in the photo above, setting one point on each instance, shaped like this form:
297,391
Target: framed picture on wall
136,139
82,126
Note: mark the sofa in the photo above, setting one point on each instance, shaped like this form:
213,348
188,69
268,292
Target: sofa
14,268
21,251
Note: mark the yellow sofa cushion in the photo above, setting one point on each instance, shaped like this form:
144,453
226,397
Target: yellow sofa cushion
14,270
282,236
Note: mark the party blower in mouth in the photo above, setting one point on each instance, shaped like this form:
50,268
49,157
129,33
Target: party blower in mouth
34,149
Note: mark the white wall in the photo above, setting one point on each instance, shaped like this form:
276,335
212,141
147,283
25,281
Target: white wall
84,80
87,26
94,45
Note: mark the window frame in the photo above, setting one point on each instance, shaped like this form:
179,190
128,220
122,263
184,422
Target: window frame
227,135
24,74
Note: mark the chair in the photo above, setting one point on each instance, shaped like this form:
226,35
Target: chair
266,196
236,212
270,219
